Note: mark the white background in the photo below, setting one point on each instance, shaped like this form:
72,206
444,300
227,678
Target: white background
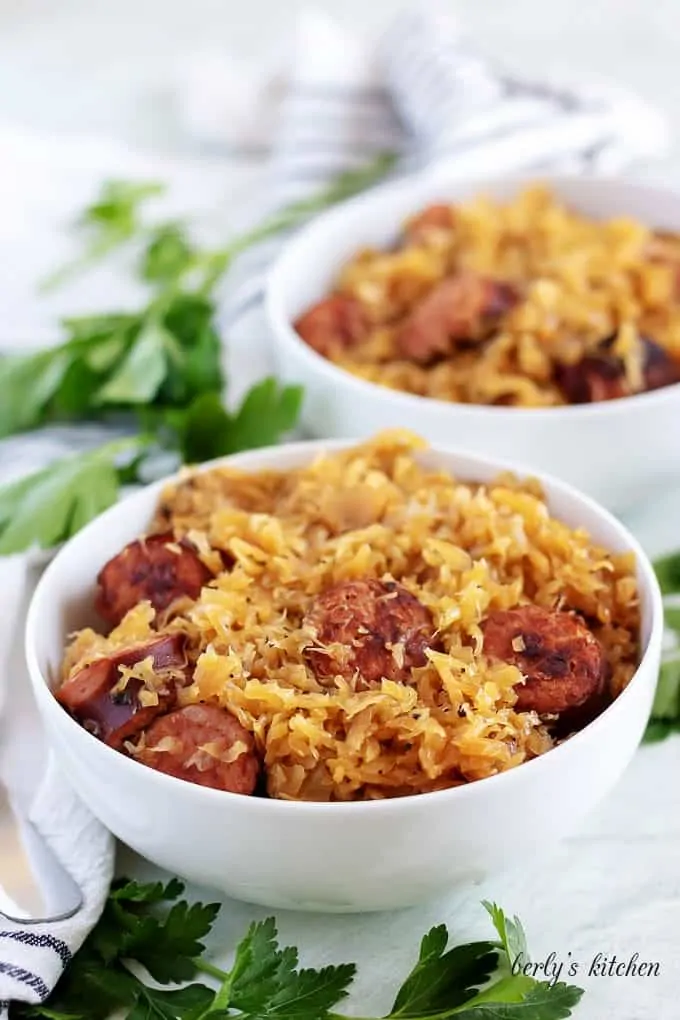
110,65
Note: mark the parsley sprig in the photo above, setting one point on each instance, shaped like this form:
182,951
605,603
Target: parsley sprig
665,717
156,370
148,939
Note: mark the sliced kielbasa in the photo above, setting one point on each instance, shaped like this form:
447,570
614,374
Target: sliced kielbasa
561,659
158,568
383,630
202,744
333,324
464,307
601,375
437,216
93,694
659,368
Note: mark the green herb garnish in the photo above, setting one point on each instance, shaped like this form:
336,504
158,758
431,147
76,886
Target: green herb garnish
665,717
147,933
667,570
156,370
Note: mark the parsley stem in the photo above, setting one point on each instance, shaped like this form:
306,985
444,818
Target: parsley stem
293,215
223,993
205,967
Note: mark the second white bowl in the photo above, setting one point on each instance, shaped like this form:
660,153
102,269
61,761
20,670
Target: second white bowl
617,451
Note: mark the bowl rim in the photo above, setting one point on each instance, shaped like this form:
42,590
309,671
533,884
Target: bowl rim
275,286
649,590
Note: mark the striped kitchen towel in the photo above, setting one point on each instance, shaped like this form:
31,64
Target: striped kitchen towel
427,93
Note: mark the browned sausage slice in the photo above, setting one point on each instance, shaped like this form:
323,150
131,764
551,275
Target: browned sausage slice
159,569
113,713
562,660
202,744
601,376
333,324
437,216
660,369
462,307
383,628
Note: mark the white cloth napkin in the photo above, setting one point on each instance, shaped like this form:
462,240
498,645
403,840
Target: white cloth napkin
32,958
424,92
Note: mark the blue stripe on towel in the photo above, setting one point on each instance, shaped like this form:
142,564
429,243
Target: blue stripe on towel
40,940
25,977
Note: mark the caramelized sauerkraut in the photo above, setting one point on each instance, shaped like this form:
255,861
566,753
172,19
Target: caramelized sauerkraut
442,555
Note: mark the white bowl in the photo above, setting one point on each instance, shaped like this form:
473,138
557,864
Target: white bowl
618,451
344,856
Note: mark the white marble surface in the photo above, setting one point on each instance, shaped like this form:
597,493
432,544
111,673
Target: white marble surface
89,66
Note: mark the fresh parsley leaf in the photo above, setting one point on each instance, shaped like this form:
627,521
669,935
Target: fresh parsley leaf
268,411
146,892
201,368
194,364
206,430
259,967
110,221
442,980
89,989
667,698
101,342
97,489
168,254
308,993
116,210
139,929
92,328
543,1002
73,399
27,385
165,944
138,378
187,315
659,729
154,1004
120,930
47,506
159,367
511,933
667,570
202,430
665,716
107,352
264,981
671,615
168,955
58,384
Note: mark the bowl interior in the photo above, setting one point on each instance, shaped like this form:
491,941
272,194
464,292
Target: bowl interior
309,264
64,597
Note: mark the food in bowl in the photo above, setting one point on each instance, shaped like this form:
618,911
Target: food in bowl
358,628
522,302
302,855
